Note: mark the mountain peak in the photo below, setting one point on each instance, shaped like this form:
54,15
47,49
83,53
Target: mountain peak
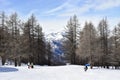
54,36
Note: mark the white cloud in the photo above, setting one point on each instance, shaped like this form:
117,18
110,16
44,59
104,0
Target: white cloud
77,10
57,8
106,4
79,7
67,6
50,26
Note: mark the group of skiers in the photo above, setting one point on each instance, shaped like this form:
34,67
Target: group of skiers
30,65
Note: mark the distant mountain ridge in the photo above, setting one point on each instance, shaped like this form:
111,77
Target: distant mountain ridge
56,41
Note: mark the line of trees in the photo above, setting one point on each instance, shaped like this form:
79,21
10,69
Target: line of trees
97,46
23,41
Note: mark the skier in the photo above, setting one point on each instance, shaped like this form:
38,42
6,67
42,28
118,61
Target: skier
28,65
32,65
86,67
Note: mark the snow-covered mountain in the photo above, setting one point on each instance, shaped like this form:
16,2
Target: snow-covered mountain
56,41
54,36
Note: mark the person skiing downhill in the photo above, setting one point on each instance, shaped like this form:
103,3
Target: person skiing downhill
86,67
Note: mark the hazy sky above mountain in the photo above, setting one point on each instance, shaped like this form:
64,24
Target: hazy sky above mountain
54,14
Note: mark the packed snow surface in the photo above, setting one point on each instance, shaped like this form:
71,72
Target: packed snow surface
68,72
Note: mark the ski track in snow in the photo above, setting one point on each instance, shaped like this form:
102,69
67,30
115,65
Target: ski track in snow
68,72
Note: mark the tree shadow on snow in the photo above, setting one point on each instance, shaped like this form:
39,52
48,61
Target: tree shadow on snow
8,69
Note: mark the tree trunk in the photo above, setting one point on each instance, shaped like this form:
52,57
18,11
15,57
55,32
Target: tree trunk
15,62
3,60
19,61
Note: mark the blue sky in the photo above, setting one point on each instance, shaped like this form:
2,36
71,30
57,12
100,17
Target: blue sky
54,14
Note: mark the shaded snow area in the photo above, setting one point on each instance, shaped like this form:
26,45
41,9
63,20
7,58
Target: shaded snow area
8,69
69,72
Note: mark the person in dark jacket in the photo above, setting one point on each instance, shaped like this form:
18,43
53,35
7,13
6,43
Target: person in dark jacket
32,65
86,68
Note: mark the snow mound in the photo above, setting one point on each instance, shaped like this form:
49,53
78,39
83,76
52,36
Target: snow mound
8,69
